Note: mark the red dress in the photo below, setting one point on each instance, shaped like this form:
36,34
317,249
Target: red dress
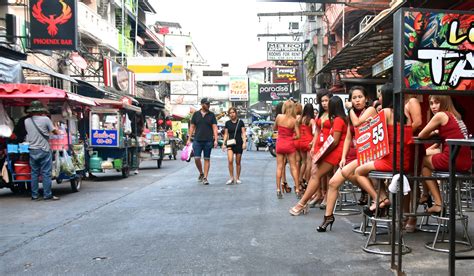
352,154
306,137
334,157
386,163
284,143
324,131
454,129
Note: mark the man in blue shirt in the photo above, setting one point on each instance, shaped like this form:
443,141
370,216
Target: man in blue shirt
204,128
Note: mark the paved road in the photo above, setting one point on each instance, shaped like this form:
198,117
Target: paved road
163,222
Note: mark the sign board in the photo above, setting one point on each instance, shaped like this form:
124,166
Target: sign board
184,88
274,92
53,25
435,50
372,140
383,65
238,88
184,99
284,74
284,51
104,138
307,98
157,68
323,149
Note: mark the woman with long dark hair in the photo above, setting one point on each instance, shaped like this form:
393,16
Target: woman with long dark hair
303,145
359,113
331,156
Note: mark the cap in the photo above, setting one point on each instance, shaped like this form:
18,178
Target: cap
205,101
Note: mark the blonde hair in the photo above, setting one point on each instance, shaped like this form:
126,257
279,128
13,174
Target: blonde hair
289,108
446,104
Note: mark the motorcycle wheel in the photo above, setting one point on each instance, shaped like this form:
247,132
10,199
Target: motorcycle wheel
158,163
76,184
272,151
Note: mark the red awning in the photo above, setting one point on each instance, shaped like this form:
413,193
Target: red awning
30,91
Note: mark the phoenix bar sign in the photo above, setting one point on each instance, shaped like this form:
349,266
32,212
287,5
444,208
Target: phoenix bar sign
53,24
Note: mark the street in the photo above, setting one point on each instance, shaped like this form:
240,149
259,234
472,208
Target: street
162,221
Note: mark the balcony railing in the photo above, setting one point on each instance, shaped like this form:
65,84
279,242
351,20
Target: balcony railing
93,25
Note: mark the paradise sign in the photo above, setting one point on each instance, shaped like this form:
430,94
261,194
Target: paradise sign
438,49
53,24
372,140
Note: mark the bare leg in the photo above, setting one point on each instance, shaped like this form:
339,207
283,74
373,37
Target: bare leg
283,170
230,160
294,169
335,182
431,184
198,163
279,170
364,182
309,163
238,166
322,169
303,165
207,166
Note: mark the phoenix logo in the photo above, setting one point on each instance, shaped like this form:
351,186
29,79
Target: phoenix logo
52,20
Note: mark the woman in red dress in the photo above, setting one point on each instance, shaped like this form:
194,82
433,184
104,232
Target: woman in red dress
386,163
447,124
305,123
285,124
330,158
359,112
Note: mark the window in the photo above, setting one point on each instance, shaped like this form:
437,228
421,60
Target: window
222,87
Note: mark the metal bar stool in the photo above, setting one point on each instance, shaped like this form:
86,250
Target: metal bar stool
344,205
373,245
441,236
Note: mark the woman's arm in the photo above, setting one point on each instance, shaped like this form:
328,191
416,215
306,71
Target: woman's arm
438,119
414,110
297,131
275,126
357,121
226,136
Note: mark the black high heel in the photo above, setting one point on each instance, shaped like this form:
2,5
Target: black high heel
426,200
286,188
328,221
364,198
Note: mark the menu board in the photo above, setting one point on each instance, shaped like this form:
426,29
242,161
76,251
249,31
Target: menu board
372,140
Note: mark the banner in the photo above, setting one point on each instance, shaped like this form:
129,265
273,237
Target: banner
309,98
284,74
238,88
284,51
372,140
156,68
184,99
53,25
104,138
184,88
323,149
274,92
437,50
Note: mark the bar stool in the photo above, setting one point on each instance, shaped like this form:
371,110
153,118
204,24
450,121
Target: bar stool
467,199
346,201
373,245
440,237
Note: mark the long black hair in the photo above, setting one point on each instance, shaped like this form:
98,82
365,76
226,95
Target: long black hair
336,109
387,101
319,95
308,114
364,92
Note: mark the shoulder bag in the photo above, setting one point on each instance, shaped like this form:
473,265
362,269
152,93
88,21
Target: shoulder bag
233,142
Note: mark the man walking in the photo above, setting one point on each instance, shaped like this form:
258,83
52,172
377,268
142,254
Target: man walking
38,127
250,133
204,128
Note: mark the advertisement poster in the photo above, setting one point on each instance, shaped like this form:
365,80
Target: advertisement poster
184,88
274,92
438,50
53,25
238,88
284,51
157,68
104,138
372,140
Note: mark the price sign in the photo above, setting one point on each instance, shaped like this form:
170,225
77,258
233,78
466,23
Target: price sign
372,140
323,148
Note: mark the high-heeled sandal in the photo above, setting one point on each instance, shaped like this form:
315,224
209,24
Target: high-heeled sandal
426,200
279,194
304,209
314,201
381,210
328,221
286,188
410,227
364,198
433,207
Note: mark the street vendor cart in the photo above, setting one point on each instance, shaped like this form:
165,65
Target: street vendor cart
113,137
65,110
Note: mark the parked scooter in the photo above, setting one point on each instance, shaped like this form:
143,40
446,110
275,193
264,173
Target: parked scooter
271,146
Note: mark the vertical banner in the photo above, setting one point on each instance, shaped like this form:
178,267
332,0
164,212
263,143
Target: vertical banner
372,140
238,89
53,24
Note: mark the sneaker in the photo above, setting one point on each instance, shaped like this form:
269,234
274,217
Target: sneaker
229,182
238,181
35,198
135,172
201,177
204,181
52,198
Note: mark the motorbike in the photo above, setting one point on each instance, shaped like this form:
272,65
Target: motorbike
271,146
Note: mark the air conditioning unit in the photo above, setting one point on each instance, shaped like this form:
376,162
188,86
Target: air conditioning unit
365,21
294,26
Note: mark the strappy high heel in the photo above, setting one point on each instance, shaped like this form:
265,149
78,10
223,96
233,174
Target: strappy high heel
364,198
426,200
279,194
433,212
286,188
328,221
304,210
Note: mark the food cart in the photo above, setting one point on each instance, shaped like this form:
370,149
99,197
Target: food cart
68,149
113,137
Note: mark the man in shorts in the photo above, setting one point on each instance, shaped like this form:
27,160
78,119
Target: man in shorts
204,128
